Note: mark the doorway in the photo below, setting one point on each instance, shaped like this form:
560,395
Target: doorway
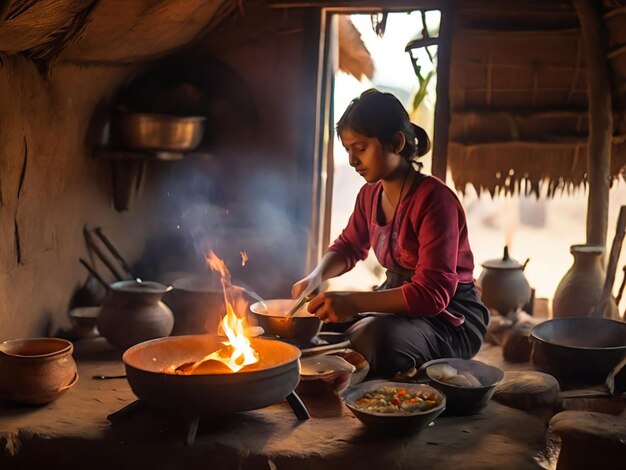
400,67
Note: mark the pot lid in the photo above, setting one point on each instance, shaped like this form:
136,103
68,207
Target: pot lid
506,262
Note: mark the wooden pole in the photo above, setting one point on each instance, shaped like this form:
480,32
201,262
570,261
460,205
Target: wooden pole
600,120
442,106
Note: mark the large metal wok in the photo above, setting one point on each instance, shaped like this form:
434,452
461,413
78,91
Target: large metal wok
578,349
210,389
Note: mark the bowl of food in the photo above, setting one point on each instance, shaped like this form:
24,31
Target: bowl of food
324,374
467,384
394,407
361,366
272,316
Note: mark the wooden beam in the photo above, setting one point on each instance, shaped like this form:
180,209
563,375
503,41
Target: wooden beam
615,12
530,113
509,33
600,119
523,66
554,143
617,52
492,90
442,105
357,5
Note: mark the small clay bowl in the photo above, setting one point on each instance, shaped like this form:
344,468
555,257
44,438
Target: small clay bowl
36,370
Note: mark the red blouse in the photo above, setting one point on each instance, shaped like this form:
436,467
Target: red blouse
429,238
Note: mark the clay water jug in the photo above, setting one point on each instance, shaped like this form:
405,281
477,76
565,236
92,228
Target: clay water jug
503,284
133,312
581,287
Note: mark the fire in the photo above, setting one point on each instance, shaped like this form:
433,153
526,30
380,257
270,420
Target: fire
237,352
244,257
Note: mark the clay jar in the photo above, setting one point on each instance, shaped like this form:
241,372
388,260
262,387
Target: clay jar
581,287
36,370
503,284
132,312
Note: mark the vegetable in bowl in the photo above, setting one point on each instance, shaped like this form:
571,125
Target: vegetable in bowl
389,399
387,407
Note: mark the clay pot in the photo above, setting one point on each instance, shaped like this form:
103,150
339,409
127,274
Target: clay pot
132,312
503,284
36,370
581,287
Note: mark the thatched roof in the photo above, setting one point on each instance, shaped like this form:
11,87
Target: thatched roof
518,95
104,31
518,74
354,58
116,31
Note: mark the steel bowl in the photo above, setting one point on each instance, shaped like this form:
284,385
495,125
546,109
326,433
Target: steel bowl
271,315
465,400
205,391
143,131
578,349
392,423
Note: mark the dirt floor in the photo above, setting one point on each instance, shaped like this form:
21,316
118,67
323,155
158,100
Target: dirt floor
73,432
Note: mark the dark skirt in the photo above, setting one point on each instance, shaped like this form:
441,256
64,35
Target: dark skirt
395,344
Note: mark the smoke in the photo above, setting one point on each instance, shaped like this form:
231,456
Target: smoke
230,212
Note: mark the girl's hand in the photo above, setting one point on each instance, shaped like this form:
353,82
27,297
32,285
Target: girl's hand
313,280
298,287
334,306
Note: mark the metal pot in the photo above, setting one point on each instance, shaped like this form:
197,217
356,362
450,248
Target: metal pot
255,386
197,303
503,284
145,131
578,349
271,315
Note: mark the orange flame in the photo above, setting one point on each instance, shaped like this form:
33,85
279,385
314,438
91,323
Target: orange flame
244,257
237,352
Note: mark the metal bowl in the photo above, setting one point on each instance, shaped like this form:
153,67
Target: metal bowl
392,423
578,349
271,315
144,131
466,400
85,317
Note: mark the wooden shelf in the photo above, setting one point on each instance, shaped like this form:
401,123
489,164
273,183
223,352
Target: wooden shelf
109,153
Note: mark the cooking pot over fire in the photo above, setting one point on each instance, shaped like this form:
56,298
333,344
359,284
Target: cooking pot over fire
503,284
210,390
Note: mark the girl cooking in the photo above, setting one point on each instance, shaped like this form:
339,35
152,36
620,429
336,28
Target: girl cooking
428,306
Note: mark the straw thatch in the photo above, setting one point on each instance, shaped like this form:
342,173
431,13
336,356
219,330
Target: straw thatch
518,96
354,58
104,31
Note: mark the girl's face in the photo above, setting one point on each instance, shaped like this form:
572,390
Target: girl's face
368,156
